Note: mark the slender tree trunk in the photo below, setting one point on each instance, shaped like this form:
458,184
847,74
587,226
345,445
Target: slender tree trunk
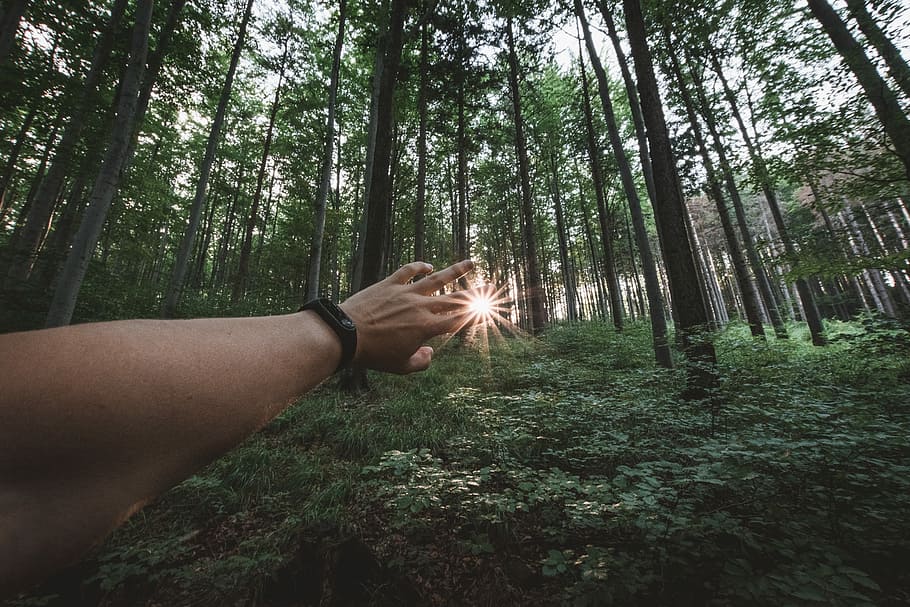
880,95
42,207
743,281
156,60
175,288
322,196
10,167
632,95
380,197
669,213
420,205
621,160
568,276
379,69
534,290
897,65
241,280
108,181
812,318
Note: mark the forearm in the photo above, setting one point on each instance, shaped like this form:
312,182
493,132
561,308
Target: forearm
143,404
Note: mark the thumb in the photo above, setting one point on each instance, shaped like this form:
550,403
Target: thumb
420,360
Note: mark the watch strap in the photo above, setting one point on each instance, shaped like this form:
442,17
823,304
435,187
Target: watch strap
340,323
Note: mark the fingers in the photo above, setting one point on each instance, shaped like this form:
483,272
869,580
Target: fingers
452,301
409,271
437,280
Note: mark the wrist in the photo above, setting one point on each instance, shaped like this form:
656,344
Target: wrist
340,324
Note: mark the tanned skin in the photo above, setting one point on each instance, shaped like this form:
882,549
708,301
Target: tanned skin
97,419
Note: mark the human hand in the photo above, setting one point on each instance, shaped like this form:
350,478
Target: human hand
395,317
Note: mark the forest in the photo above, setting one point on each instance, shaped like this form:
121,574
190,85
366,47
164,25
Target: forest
694,386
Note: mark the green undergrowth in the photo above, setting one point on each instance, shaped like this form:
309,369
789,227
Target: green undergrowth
566,470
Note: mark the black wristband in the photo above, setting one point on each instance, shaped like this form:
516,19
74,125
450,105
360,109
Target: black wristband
340,323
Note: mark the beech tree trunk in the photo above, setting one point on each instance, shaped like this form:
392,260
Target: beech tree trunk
897,66
420,205
322,197
380,199
669,212
568,275
810,315
175,288
108,181
28,243
746,287
534,290
883,99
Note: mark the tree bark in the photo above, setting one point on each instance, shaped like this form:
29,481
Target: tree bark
669,213
897,66
883,99
175,288
241,280
743,281
568,276
811,316
42,207
422,92
323,195
108,181
380,198
534,290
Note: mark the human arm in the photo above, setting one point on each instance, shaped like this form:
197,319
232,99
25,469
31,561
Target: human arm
97,419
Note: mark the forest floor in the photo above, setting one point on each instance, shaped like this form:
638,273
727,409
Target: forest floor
562,470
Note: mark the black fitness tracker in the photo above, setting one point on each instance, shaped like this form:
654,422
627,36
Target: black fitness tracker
341,323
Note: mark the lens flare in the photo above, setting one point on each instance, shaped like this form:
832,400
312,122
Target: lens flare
481,306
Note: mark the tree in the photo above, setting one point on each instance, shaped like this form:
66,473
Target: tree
174,289
670,215
326,171
880,95
25,248
64,300
534,289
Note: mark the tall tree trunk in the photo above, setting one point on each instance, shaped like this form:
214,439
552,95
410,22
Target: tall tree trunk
246,247
379,68
9,25
534,290
625,172
108,181
758,270
461,237
897,66
380,198
568,276
669,213
883,99
811,316
175,288
156,60
10,166
420,205
632,95
743,281
322,197
42,207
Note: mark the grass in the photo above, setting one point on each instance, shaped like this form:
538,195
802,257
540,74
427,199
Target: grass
561,471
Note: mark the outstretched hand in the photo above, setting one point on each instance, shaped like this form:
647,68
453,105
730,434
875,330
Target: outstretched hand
395,317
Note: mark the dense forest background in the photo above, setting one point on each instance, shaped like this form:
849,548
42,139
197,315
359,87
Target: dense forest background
720,190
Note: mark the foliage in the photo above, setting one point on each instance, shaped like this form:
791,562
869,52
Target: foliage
573,457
